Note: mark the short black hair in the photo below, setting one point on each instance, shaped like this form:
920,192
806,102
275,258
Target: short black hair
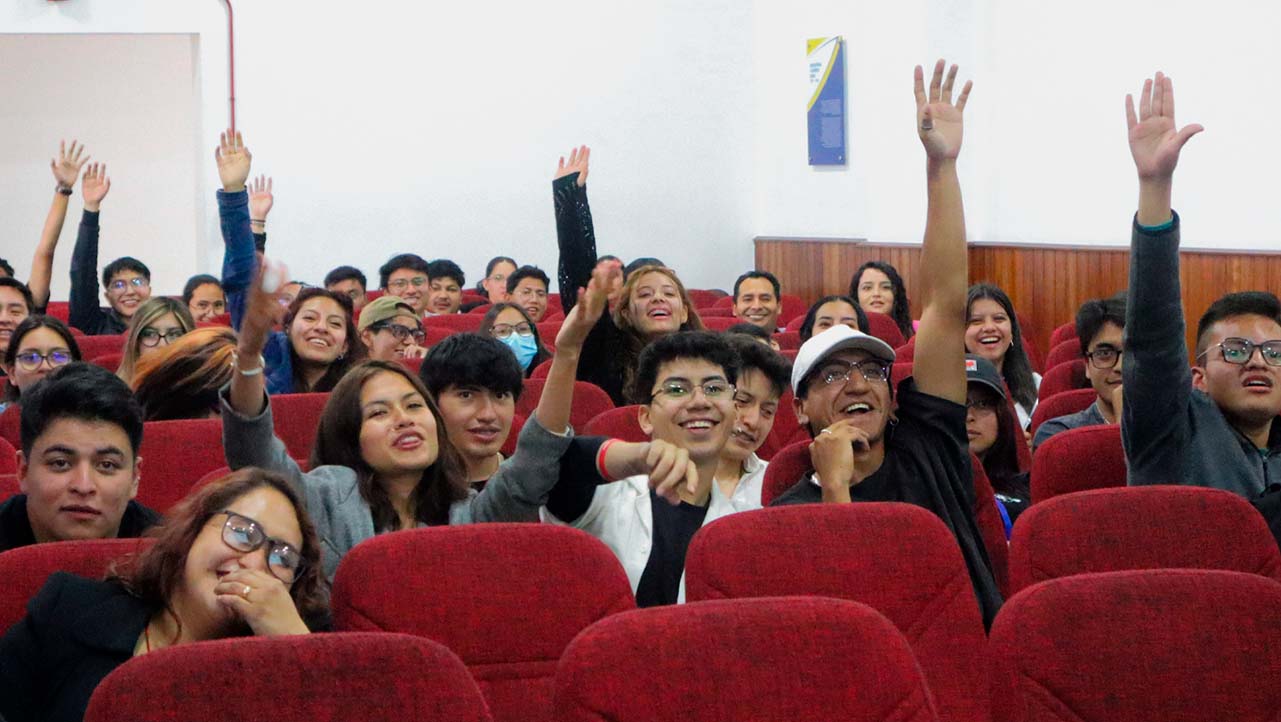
470,359
752,355
125,263
445,268
749,329
641,263
697,345
773,280
1244,303
195,282
395,263
346,273
608,257
811,316
4,266
1096,312
22,288
81,391
527,272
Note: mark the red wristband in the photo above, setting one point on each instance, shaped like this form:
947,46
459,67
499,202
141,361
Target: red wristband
600,459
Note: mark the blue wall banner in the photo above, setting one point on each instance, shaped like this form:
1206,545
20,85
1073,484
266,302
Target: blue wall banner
826,111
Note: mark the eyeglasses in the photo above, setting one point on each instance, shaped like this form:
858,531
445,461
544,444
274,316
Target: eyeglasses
151,337
31,360
504,330
981,406
402,332
120,284
1240,350
353,294
531,292
1104,357
839,371
679,390
246,535
401,284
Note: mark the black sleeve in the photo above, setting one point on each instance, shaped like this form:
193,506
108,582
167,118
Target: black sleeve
576,237
1269,505
260,242
85,314
573,493
22,654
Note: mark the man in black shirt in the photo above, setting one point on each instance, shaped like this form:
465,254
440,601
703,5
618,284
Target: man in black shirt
81,429
868,448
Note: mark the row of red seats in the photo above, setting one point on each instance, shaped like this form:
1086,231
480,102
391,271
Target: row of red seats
539,614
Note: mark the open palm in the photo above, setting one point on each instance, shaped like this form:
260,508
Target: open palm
66,167
938,119
578,163
1155,139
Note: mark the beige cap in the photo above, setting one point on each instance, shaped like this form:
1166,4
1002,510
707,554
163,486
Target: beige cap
384,308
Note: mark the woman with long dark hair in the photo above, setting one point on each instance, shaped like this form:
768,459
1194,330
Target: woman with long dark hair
993,333
879,288
995,434
830,311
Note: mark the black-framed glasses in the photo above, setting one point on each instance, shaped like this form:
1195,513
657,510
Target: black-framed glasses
401,284
402,332
31,360
121,284
1104,356
246,535
505,330
1240,350
834,372
151,337
680,389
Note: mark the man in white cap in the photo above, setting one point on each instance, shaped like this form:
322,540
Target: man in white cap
866,446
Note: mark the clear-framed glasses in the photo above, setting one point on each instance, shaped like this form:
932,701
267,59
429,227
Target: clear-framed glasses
121,284
680,389
838,372
246,535
981,407
531,293
401,284
31,360
151,337
1240,350
402,332
505,330
1104,357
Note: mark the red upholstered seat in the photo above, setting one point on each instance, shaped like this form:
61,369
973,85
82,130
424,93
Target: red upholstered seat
25,569
718,323
414,365
1078,459
785,469
8,458
92,347
618,423
11,425
899,559
1172,645
704,297
1062,404
589,401
541,370
507,598
1147,527
436,334
305,678
296,418
175,454
547,331
509,446
1066,376
1062,353
726,311
9,486
743,659
788,340
456,322
905,353
482,309
108,361
60,310
1066,332
900,371
884,328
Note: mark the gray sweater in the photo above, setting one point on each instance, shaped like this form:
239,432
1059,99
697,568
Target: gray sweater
1172,433
342,517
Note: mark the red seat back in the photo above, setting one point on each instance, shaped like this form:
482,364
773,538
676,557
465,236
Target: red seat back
9,486
1170,645
60,310
1066,332
718,310
1066,376
298,678
296,418
1062,404
456,322
108,361
92,347
482,309
507,598
788,340
898,559
8,458
589,401
541,370
618,423
1062,353
785,469
991,526
791,307
1078,459
884,328
718,323
704,297
547,331
175,454
743,659
436,334
1144,527
11,425
786,429
25,569
905,353
509,446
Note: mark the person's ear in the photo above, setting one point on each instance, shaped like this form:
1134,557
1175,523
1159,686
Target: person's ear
642,417
137,476
1198,379
23,465
798,406
367,338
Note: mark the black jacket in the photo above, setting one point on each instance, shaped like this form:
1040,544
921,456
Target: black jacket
85,313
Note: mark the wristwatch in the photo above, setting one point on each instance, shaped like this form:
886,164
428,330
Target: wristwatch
64,190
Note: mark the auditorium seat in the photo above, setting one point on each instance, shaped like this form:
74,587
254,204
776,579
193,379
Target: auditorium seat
1172,645
296,418
548,330
1066,376
482,309
414,365
907,352
1066,332
302,678
743,659
9,486
93,346
1062,353
719,323
1062,404
507,598
589,401
509,446
1078,459
884,328
991,525
619,423
789,354
436,334
60,310
11,425
701,298
785,430
8,458
108,361
898,372
898,559
541,370
786,467
1146,527
174,455
789,340
25,569
456,322
718,311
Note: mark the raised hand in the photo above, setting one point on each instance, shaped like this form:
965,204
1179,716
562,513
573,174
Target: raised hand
95,185
578,163
593,301
66,167
938,119
260,199
669,465
263,309
234,160
1155,140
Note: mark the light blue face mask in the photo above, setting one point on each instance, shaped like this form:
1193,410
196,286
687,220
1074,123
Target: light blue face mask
525,348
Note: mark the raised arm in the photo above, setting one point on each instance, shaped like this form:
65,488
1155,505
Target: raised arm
84,310
66,169
939,366
575,234
238,259
593,301
248,384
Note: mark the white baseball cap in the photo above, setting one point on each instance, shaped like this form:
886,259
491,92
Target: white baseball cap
837,338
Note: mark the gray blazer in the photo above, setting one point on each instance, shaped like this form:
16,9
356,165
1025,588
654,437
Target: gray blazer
342,517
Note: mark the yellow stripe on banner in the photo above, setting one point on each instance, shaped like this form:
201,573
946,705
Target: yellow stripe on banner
826,74
813,44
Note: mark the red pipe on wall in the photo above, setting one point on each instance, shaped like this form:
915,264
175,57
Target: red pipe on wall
231,61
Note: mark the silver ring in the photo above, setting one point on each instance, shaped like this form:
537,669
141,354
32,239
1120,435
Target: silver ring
927,124
825,431
245,593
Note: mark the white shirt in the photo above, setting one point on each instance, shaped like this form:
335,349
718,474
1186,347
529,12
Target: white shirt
1025,415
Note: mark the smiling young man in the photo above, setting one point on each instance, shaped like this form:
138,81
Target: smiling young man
445,283
405,275
866,446
527,288
763,376
16,304
126,281
757,299
78,471
1100,326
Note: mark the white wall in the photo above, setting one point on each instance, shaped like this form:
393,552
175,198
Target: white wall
435,128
